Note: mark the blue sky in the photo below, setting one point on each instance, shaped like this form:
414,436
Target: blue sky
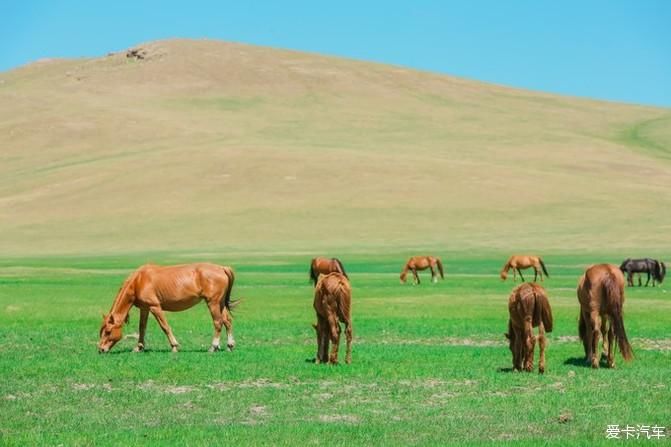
610,49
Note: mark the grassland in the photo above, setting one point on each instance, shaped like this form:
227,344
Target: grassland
430,366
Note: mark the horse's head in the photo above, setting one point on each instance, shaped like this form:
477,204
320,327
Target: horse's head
504,275
110,333
403,277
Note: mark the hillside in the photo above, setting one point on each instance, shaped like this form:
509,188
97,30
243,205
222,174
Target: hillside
216,147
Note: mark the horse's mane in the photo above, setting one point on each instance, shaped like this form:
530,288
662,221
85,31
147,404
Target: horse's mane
340,266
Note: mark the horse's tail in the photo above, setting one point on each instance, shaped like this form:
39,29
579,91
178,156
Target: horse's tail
340,267
344,302
226,302
614,294
542,310
314,276
440,268
544,269
662,271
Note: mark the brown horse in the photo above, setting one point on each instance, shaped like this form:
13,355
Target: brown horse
517,262
422,263
155,289
528,307
601,296
324,266
333,299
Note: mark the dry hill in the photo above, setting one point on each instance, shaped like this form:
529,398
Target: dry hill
206,145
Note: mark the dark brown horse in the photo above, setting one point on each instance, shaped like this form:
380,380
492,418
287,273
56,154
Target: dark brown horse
653,267
332,303
324,266
528,307
518,262
155,289
421,263
601,296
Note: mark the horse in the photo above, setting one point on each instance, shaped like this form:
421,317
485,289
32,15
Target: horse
422,263
175,288
325,266
601,296
332,303
529,307
517,262
652,267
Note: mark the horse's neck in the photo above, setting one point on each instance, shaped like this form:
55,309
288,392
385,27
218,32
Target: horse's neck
122,305
506,267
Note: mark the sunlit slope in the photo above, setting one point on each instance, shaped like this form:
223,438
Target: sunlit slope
205,145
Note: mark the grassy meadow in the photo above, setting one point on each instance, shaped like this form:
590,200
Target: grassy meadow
430,365
261,159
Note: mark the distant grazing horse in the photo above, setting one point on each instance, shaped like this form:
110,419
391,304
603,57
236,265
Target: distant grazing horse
529,307
421,263
155,289
601,297
652,267
324,266
517,262
333,300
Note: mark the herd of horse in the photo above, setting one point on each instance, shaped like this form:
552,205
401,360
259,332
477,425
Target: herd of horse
155,289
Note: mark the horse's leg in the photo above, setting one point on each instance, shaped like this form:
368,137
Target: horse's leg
158,314
348,338
520,272
434,279
218,322
541,345
414,273
518,357
530,342
604,337
322,340
611,345
144,316
514,274
639,280
646,283
334,329
595,326
536,274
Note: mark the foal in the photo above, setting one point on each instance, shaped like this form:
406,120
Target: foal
332,303
529,307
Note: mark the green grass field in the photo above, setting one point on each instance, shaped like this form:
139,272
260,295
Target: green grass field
430,365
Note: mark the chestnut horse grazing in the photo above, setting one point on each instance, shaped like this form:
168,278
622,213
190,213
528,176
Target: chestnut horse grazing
529,307
421,263
325,266
155,289
517,262
601,296
333,299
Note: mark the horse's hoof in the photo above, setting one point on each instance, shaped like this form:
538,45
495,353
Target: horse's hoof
230,348
213,348
138,349
174,349
541,370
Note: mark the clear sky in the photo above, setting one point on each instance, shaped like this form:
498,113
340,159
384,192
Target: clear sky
609,49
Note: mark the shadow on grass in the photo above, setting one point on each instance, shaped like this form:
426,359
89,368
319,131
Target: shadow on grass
581,362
